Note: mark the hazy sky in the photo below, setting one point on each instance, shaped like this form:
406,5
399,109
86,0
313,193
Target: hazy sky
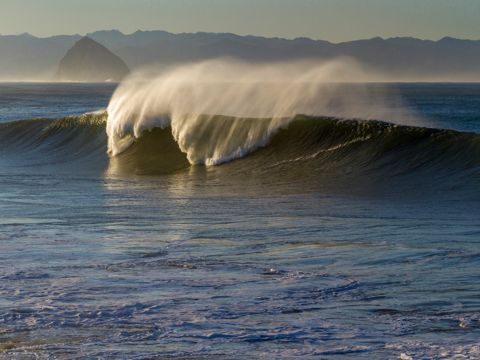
334,20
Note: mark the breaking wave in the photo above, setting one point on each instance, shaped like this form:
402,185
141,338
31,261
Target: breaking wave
255,101
242,121
304,148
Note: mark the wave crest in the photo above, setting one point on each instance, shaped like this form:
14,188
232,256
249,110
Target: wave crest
255,101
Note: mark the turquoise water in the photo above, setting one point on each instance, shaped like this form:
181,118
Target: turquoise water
304,249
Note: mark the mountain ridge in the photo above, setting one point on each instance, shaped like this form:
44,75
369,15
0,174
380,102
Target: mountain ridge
400,57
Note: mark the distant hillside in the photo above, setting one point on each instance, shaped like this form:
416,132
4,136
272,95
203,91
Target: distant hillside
87,60
401,58
26,57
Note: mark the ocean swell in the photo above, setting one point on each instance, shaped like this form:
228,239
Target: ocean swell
316,147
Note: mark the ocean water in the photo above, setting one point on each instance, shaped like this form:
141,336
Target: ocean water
334,239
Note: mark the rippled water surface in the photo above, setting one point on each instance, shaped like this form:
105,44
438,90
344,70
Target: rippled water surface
242,260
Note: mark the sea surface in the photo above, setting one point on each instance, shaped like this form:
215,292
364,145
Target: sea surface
335,239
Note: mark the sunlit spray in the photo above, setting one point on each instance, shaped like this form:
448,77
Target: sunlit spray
219,110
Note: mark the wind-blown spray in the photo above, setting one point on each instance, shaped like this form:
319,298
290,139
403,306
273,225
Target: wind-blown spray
254,101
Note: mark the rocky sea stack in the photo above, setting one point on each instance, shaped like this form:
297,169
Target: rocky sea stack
90,61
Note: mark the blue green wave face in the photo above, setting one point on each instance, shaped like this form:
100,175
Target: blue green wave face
307,152
74,144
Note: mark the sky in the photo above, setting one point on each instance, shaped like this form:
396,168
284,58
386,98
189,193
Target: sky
332,20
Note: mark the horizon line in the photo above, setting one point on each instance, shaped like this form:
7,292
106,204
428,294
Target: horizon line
239,35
